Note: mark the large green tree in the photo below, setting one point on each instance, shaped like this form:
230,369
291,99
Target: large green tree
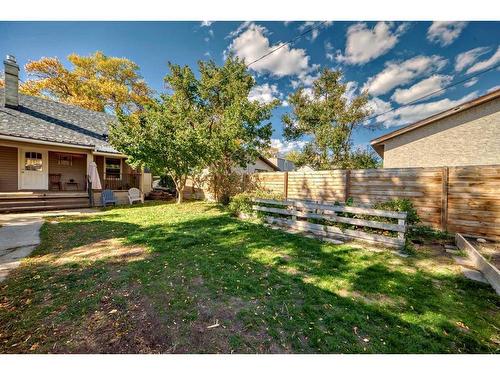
328,117
236,128
200,123
167,135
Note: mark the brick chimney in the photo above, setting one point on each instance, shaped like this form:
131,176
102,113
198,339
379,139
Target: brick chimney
11,82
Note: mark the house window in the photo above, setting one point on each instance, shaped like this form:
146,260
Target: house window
113,168
65,160
33,161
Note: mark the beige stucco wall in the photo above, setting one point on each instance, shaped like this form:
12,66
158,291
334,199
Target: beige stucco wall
471,137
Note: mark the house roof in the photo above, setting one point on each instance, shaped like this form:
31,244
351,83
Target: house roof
270,163
46,120
378,143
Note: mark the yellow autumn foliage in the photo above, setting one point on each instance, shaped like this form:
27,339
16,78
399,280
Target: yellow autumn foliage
97,82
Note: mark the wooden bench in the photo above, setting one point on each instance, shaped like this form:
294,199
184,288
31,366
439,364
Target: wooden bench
298,212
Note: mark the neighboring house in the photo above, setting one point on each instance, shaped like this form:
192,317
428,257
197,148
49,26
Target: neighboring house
305,168
262,164
468,134
283,164
46,146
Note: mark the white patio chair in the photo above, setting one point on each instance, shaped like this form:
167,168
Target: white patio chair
135,195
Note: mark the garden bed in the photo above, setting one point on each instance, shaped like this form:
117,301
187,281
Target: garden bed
489,250
481,255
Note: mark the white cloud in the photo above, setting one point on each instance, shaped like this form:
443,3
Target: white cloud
378,106
238,31
308,91
316,25
485,64
329,51
286,146
304,79
265,93
422,88
416,112
494,88
206,23
350,90
252,43
444,33
398,73
465,59
364,44
472,82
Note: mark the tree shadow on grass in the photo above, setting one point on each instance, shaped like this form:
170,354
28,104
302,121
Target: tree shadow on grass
250,262
264,290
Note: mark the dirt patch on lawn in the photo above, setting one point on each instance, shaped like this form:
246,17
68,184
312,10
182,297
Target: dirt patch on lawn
112,250
219,328
137,328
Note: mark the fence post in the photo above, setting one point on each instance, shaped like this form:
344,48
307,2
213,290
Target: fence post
347,187
444,198
285,185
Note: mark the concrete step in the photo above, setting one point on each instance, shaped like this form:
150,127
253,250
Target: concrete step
44,207
42,202
28,196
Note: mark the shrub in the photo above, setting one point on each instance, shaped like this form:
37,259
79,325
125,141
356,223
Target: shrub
242,202
400,205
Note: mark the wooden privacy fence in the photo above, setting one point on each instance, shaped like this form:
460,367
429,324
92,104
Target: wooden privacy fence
297,213
456,199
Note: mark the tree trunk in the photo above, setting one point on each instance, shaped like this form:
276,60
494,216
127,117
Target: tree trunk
180,183
180,196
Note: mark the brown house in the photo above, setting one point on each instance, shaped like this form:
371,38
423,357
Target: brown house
468,134
46,148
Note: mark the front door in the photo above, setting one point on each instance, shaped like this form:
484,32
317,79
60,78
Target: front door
34,169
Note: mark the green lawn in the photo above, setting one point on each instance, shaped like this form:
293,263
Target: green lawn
190,278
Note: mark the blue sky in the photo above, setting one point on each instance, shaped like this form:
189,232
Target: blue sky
395,61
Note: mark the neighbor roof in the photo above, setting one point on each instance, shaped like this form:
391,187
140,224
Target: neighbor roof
378,143
46,120
269,163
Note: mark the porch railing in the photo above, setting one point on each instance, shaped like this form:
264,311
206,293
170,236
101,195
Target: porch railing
124,182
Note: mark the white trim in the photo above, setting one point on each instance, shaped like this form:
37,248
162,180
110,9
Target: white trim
29,140
110,154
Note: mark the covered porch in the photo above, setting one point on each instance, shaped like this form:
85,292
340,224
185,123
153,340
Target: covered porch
30,167
38,168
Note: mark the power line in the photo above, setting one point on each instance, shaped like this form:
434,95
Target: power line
392,109
434,92
289,42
